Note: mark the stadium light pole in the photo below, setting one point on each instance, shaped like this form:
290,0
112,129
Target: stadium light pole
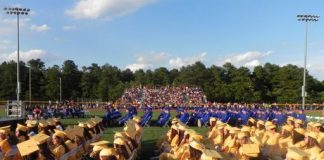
306,19
60,89
30,91
17,11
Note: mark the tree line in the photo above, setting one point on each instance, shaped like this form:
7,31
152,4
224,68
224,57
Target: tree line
265,83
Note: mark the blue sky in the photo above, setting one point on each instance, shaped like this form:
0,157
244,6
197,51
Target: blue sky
171,33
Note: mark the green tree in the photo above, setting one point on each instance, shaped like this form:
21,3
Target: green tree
52,83
71,78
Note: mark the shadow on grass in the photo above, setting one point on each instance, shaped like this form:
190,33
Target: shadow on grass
148,148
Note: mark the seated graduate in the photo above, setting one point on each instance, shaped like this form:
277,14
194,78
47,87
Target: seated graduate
5,147
21,133
247,149
312,145
58,140
58,124
122,149
194,152
96,149
43,128
44,153
108,154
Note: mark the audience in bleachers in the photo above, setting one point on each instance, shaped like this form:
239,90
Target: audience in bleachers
164,96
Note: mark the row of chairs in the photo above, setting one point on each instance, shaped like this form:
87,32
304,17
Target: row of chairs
315,118
77,149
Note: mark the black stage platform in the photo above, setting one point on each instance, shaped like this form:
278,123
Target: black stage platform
5,121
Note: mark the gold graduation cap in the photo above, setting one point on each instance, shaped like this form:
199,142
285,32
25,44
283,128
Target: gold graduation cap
130,131
300,131
296,154
260,122
98,148
175,127
59,133
82,125
208,154
30,125
100,143
78,131
5,129
120,141
287,128
40,138
137,119
69,128
271,127
197,145
51,122
290,118
27,121
21,127
311,134
298,121
174,121
241,135
108,152
234,130
212,119
70,144
120,134
70,133
93,120
250,149
90,124
268,123
252,120
182,127
42,123
317,125
27,147
245,129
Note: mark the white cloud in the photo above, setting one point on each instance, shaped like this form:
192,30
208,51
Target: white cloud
66,28
8,26
28,55
148,61
136,66
110,9
248,59
5,44
41,28
178,62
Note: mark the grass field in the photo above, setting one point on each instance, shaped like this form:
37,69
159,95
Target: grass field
151,134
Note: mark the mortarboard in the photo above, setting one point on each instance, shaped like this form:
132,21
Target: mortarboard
108,152
21,128
296,154
197,145
40,138
208,154
27,147
250,149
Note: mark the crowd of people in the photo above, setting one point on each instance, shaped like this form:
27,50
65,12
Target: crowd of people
66,109
164,96
51,140
258,139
